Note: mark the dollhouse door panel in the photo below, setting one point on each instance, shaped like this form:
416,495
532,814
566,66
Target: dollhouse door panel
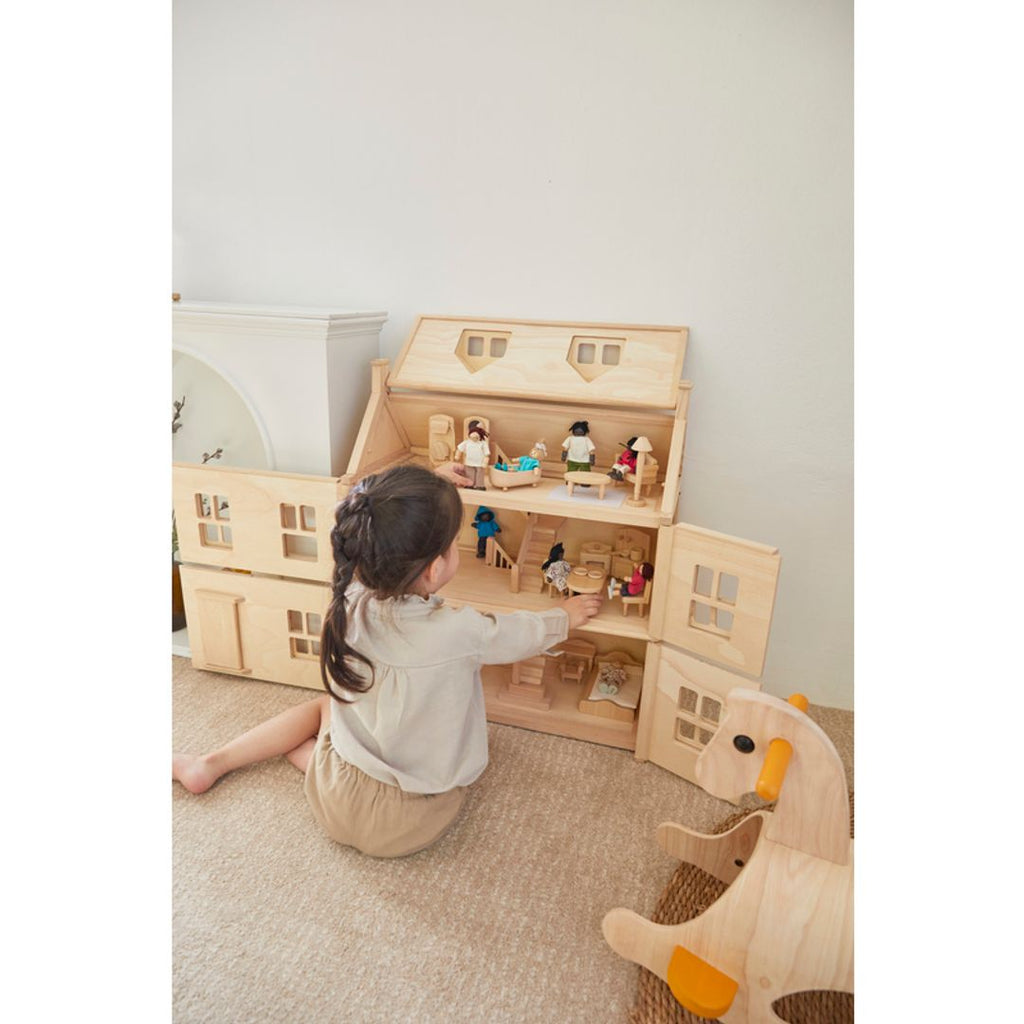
681,708
714,595
218,644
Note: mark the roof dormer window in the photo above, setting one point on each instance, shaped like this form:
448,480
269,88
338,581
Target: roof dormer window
476,349
591,357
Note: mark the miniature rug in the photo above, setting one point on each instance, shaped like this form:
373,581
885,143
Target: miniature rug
690,892
613,496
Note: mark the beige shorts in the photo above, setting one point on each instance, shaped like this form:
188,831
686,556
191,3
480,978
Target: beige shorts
381,820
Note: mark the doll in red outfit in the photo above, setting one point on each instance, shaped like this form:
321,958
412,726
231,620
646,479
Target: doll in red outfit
626,462
642,572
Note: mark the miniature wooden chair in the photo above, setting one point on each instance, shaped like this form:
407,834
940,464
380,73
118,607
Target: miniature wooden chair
647,480
785,923
572,669
577,653
641,601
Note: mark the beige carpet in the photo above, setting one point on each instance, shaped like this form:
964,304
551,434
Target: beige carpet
498,922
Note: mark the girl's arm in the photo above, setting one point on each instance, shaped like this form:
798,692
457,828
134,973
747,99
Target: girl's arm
517,635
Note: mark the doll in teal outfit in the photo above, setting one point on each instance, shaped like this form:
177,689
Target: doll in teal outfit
486,526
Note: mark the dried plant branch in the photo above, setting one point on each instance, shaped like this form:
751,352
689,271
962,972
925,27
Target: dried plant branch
176,421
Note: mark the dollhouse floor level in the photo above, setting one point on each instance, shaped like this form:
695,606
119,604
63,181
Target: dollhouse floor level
563,718
550,497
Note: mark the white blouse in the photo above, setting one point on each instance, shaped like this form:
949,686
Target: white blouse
422,725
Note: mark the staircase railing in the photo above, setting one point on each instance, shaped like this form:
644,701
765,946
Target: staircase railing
495,555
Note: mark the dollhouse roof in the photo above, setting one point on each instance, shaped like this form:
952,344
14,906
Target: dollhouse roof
608,364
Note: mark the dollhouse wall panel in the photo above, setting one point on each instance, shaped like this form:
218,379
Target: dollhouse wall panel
259,521
610,364
382,440
681,707
255,626
714,595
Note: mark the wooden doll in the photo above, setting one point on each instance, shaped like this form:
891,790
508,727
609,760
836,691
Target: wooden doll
578,451
626,462
475,454
531,461
642,572
486,526
556,569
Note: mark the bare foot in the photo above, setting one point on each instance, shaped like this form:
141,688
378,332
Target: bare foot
193,772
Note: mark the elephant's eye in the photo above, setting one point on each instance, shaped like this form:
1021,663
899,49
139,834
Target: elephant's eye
744,744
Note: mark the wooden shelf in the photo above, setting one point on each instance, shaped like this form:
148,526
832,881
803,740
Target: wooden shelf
542,499
487,589
563,718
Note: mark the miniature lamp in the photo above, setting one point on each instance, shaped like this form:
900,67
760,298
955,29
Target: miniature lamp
641,446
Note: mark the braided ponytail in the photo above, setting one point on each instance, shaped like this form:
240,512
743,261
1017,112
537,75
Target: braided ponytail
389,528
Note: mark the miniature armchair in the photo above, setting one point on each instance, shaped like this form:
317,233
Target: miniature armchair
647,478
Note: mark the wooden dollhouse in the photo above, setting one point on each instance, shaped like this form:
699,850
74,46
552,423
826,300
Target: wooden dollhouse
649,673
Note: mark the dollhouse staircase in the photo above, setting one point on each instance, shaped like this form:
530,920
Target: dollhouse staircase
540,537
527,684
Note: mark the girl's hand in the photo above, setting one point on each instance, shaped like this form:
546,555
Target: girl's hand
455,473
582,608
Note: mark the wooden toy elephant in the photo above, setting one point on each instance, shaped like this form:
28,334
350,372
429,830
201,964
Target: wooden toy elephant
785,922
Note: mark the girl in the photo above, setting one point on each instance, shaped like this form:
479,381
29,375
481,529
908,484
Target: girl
389,753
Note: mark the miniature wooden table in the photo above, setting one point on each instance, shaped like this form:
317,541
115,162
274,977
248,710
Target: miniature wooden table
588,476
589,581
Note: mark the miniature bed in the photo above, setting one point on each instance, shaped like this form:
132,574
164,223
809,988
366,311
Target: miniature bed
257,556
506,478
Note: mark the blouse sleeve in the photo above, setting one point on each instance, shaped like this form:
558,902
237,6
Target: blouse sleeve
516,635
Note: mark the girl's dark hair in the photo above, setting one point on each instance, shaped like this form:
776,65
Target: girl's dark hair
647,570
583,424
388,529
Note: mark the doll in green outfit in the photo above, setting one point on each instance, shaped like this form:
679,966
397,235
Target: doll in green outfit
578,451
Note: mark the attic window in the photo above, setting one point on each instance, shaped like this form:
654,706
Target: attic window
590,357
476,349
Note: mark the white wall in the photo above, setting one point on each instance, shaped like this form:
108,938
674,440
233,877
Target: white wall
650,161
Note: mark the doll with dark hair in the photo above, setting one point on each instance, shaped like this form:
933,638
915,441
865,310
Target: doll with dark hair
578,451
486,526
626,462
475,454
556,569
642,572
